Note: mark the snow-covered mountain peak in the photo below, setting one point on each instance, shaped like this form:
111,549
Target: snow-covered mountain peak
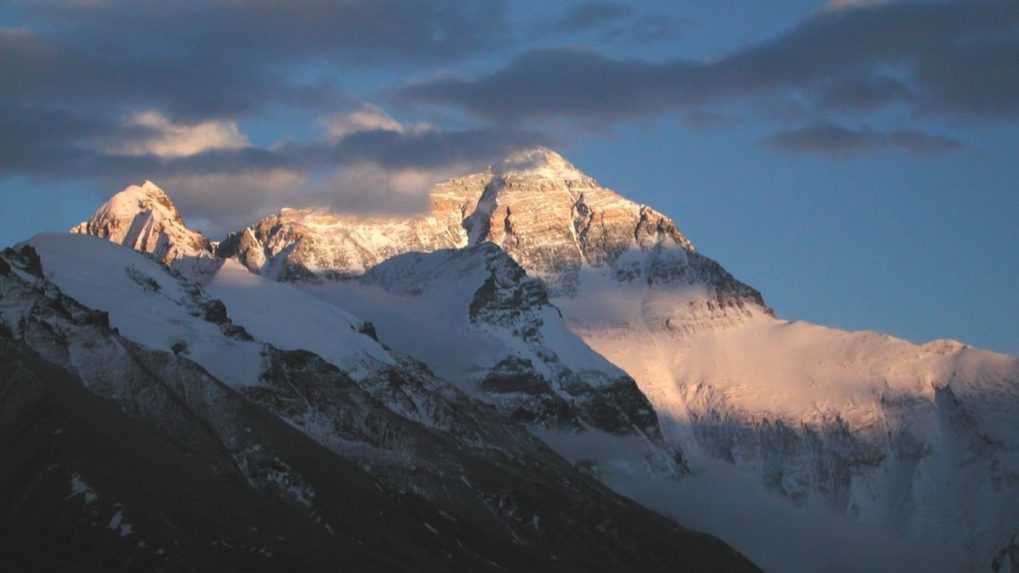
945,346
135,199
144,218
151,188
537,162
555,221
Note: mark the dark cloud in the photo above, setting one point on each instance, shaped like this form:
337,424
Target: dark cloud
917,141
572,83
705,119
835,140
354,32
590,15
78,75
614,22
434,148
415,150
863,93
201,59
222,189
953,58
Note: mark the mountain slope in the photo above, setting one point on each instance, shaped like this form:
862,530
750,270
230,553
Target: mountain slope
86,486
466,491
891,436
480,322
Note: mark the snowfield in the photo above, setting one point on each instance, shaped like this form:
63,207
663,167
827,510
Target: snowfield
145,303
287,318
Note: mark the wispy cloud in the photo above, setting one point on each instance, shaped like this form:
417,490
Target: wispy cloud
836,140
169,139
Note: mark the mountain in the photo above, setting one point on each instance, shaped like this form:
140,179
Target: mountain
143,218
547,215
870,450
532,368
160,433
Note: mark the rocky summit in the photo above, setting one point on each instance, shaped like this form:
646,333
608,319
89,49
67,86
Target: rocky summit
143,218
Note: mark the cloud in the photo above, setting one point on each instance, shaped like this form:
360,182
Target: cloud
219,203
221,59
917,141
370,165
851,4
369,188
834,140
612,22
91,92
169,139
588,15
114,91
353,32
372,171
945,58
562,82
433,148
368,118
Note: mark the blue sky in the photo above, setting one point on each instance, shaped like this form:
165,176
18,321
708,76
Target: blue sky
858,175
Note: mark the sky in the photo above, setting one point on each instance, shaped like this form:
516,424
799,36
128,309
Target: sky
855,160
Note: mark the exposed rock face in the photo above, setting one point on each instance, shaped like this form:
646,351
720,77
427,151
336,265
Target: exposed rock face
302,244
556,222
553,219
143,218
306,466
